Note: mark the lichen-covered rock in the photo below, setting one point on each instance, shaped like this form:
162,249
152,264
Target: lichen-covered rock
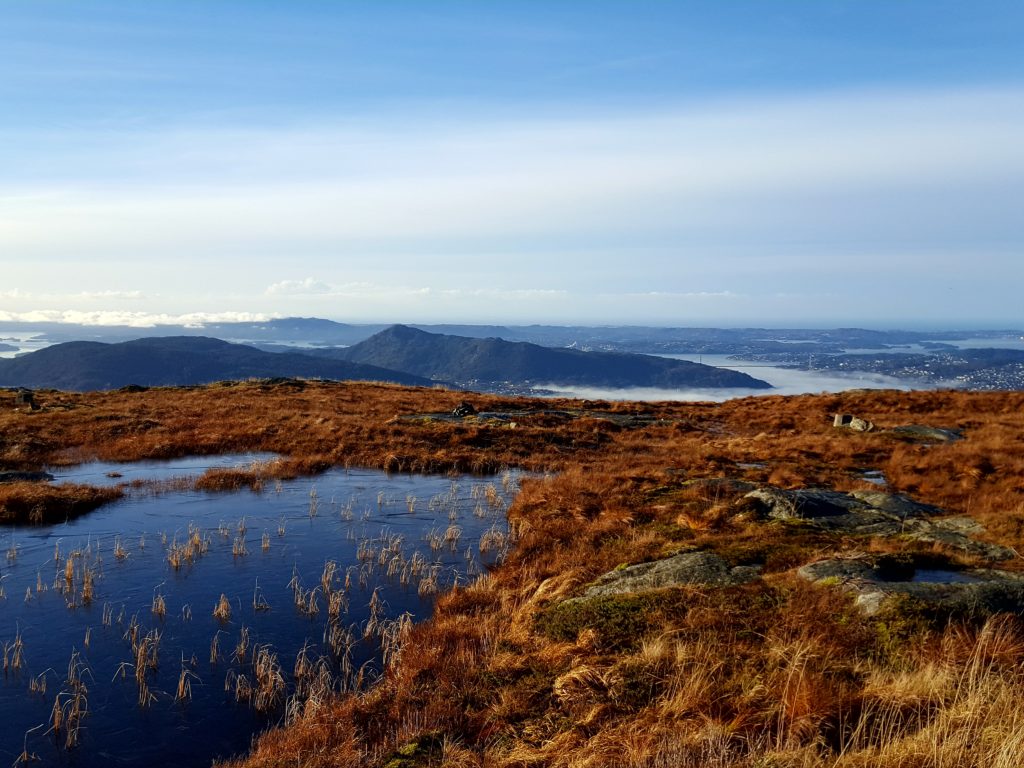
702,568
803,504
954,532
896,504
925,433
974,590
875,513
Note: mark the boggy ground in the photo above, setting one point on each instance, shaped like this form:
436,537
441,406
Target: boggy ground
774,672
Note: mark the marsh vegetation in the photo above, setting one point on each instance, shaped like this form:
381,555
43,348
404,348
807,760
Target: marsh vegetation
508,672
284,630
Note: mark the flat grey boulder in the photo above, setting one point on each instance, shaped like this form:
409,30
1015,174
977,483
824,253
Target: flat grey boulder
956,532
925,433
875,513
864,512
803,504
701,568
896,504
973,590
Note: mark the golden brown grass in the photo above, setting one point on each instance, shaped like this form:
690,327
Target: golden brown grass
778,672
42,503
222,610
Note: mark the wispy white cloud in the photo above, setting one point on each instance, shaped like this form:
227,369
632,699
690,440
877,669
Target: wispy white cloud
713,295
117,295
824,167
895,189
298,287
132,319
21,295
367,290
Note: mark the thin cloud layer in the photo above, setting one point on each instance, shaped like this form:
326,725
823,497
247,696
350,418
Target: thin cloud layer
756,197
131,319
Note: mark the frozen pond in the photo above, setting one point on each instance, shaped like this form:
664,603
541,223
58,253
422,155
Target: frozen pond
117,607
106,473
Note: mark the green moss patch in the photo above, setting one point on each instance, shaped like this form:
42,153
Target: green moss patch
621,621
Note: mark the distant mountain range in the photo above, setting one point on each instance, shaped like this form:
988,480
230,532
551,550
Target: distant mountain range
317,332
398,354
484,362
174,360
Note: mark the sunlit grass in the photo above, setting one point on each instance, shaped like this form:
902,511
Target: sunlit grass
778,672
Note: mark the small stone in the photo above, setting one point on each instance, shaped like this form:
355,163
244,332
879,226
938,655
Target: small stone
464,409
851,422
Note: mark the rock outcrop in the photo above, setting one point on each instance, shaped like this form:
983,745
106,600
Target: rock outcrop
928,434
875,513
974,590
699,568
918,432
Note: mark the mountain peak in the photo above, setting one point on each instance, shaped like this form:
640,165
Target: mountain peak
402,332
474,361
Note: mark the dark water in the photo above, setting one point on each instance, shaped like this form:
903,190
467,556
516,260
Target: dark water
354,513
874,476
939,576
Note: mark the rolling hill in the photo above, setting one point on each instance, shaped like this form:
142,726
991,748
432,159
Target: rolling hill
472,361
174,360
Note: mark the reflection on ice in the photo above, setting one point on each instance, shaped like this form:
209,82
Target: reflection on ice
115,472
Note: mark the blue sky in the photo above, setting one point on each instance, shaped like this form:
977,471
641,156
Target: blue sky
672,163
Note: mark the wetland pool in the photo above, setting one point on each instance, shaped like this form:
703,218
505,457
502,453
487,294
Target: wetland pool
108,621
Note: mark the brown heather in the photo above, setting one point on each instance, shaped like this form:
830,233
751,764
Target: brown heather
778,672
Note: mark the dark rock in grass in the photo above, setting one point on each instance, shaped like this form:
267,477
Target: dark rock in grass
283,381
874,513
26,398
948,591
699,568
25,477
464,409
954,532
804,504
542,417
895,504
928,434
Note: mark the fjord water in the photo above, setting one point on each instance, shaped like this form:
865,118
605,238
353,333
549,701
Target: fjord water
784,381
345,516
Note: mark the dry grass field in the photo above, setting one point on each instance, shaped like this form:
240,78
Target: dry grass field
776,672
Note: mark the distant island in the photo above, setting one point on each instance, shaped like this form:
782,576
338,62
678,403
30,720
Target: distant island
399,354
489,363
80,366
969,359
